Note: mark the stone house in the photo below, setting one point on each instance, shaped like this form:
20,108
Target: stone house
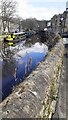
13,25
1,27
59,23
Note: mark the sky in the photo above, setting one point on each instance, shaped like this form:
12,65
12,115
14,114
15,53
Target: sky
40,9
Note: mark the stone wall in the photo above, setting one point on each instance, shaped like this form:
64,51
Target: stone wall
36,96
1,27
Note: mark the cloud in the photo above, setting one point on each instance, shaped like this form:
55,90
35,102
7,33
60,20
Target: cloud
44,1
27,9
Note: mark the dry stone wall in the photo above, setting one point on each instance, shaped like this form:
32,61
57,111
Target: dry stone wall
36,96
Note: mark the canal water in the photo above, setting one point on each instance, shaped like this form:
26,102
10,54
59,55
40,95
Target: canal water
24,59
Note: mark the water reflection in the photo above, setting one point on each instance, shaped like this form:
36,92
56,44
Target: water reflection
21,64
8,80
32,40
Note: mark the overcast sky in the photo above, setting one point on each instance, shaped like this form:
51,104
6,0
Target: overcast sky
40,9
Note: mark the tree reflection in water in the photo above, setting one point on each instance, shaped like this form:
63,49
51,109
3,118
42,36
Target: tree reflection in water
16,68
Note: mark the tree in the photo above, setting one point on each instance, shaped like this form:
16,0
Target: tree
8,9
31,23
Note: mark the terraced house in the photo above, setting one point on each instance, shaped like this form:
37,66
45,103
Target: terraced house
59,23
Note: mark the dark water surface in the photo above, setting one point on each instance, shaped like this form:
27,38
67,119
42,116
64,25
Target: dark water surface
23,61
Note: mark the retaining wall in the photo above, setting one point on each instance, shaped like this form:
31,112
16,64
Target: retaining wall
36,96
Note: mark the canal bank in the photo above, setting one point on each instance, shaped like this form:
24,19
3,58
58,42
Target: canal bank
61,110
36,96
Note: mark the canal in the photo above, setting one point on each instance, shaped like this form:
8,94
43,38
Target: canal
23,59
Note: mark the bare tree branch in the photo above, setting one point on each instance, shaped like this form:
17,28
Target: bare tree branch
8,9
